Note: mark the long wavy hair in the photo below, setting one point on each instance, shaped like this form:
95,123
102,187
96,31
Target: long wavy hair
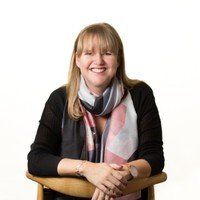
108,40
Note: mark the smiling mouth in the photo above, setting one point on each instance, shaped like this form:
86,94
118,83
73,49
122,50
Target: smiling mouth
98,70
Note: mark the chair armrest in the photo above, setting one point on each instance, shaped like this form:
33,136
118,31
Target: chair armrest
82,188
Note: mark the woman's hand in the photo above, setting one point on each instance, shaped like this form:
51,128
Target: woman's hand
125,172
110,181
100,195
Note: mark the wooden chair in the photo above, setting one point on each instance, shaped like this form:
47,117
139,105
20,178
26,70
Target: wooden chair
82,188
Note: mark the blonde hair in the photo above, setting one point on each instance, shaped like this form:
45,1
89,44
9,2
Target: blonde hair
108,40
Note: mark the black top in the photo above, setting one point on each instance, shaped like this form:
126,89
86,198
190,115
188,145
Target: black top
50,145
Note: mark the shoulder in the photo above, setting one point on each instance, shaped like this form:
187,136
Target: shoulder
142,96
57,98
58,93
140,87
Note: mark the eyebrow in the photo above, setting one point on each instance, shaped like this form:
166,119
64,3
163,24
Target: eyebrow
92,50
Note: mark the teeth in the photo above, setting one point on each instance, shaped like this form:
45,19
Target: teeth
98,70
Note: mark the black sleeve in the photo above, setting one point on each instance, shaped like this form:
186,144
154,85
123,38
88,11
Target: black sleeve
150,145
43,157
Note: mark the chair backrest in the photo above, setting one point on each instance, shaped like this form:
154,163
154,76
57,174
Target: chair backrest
82,188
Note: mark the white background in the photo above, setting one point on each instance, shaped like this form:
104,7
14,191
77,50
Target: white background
162,47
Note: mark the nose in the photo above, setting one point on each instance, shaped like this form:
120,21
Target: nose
98,59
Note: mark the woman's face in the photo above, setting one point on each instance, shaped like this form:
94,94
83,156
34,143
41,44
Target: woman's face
97,68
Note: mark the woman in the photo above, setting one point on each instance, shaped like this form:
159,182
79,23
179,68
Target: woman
101,125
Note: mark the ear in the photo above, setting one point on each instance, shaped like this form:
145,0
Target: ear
77,61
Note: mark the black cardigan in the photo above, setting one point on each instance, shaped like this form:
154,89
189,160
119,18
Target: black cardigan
50,145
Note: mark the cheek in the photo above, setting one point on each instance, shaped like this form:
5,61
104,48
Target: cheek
86,64
113,62
114,65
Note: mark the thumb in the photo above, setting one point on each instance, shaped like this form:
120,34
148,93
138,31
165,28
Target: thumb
116,166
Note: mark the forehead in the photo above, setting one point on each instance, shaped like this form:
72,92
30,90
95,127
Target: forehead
97,41
94,42
91,42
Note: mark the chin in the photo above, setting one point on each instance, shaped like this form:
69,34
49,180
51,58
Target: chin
101,81
100,85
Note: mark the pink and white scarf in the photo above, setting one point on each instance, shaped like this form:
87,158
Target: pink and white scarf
119,139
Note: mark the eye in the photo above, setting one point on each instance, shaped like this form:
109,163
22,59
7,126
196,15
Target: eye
87,53
108,53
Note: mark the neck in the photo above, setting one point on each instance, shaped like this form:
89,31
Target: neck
96,92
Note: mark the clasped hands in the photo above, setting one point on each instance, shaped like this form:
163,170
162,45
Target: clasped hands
110,179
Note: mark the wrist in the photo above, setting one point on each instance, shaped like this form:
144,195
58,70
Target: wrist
85,166
80,168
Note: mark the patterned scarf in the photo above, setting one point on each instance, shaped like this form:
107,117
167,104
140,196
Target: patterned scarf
119,139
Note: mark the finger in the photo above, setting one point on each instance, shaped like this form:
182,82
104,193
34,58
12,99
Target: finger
117,183
119,177
112,187
113,194
96,194
126,175
107,197
116,166
101,195
106,190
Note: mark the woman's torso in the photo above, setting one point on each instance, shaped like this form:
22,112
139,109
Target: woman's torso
100,123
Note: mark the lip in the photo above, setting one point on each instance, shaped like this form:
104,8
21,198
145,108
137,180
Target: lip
98,68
